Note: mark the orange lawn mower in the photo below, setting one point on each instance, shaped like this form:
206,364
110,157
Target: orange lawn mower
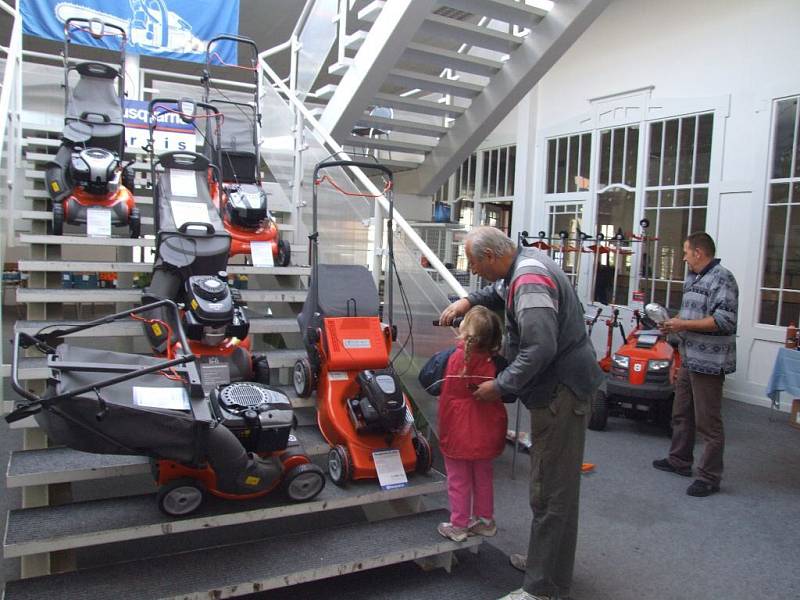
361,406
192,249
87,182
243,202
199,443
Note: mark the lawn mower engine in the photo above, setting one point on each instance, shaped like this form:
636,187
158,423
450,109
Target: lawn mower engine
380,406
212,313
246,206
96,169
260,416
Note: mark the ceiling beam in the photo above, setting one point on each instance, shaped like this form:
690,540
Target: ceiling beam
547,42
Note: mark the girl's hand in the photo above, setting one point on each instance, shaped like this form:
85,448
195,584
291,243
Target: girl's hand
487,392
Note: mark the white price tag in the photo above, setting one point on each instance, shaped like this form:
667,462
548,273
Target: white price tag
98,222
391,473
189,212
183,182
262,254
169,398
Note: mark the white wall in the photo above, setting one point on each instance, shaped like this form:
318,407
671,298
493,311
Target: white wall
742,52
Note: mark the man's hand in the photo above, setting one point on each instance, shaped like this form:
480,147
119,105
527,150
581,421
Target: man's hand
487,392
672,326
457,309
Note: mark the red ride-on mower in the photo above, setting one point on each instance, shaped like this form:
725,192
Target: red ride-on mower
233,442
243,202
361,407
641,374
86,179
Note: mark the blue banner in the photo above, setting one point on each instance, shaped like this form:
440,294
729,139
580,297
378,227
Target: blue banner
176,29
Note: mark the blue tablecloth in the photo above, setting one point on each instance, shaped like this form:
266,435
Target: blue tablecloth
785,375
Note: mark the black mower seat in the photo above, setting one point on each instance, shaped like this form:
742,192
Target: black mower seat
94,113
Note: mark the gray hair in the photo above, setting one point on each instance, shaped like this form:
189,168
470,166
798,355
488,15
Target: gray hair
490,239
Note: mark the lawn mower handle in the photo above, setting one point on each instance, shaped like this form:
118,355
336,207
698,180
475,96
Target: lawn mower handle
353,163
44,344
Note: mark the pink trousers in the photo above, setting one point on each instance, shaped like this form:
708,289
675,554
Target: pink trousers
470,489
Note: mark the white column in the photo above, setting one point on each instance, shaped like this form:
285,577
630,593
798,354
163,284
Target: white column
523,211
133,81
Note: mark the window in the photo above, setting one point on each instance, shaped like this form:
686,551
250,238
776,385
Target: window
568,163
676,197
498,172
780,280
565,218
616,200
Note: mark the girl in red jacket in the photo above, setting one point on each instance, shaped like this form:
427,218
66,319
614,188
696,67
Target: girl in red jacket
471,432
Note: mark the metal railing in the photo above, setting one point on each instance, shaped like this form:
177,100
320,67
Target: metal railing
10,133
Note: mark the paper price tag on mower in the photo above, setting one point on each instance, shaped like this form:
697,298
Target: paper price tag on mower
391,473
98,222
189,212
261,252
168,398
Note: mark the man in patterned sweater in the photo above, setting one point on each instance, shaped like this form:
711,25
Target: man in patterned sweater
707,328
553,370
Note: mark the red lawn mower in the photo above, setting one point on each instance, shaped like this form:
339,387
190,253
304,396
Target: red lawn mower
243,202
234,443
361,406
87,173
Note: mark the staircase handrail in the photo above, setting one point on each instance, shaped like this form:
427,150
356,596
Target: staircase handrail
325,139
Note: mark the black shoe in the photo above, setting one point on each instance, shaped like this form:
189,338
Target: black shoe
701,488
663,464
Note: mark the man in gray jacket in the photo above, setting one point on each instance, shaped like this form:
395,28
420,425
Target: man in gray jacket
553,370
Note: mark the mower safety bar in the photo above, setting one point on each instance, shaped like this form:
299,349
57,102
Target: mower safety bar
363,165
45,343
88,22
231,38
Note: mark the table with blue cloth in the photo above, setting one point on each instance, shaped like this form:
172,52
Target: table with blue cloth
785,376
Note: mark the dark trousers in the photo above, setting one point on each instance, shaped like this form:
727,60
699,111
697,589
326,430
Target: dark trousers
698,408
558,432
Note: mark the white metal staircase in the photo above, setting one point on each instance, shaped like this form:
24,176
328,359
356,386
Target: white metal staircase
450,69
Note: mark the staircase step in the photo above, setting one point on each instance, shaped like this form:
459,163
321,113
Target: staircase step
355,40
122,519
415,127
426,54
525,13
131,328
65,465
80,240
25,295
435,26
326,91
130,267
385,143
425,107
46,215
253,566
371,11
339,68
431,83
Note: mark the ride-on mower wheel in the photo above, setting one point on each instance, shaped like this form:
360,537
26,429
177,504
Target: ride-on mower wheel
261,369
422,448
303,378
304,482
599,416
339,465
284,253
58,218
135,223
181,497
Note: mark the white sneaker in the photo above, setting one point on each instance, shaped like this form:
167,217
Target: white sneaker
484,527
521,594
450,531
